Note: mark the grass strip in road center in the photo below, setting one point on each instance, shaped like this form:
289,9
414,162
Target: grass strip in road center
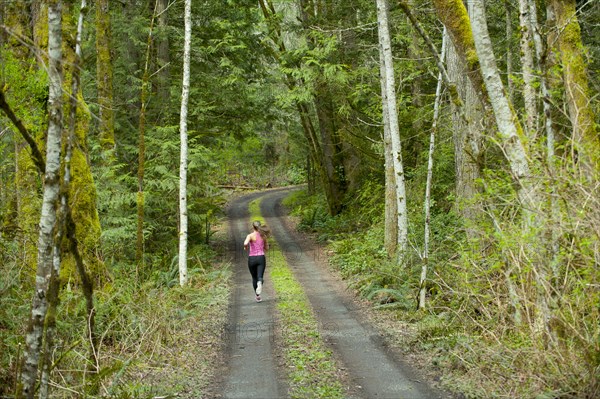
312,370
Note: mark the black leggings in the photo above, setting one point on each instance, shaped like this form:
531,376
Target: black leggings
257,265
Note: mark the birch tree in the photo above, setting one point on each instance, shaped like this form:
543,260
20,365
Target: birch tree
527,65
185,92
391,209
65,214
508,125
390,98
34,337
427,204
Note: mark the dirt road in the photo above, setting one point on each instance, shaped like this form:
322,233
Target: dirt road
253,369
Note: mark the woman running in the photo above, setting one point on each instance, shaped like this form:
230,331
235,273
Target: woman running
257,240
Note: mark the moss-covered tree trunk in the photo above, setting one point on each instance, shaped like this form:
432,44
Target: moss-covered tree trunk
35,331
468,146
585,141
104,79
453,14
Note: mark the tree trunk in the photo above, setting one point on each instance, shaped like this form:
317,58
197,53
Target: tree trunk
415,53
390,95
553,235
509,131
454,16
334,182
508,125
467,123
63,215
162,52
139,252
391,208
585,135
104,72
427,205
34,337
527,68
183,212
509,53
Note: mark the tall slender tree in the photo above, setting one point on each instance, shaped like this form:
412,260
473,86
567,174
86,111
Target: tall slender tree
144,94
390,97
35,331
428,184
183,166
391,206
104,77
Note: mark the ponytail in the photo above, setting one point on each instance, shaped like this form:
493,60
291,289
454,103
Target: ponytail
263,230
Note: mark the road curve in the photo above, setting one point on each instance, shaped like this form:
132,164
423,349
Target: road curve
373,369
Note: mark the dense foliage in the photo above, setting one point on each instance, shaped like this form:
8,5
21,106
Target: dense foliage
288,92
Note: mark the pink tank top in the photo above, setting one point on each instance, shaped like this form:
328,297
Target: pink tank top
257,247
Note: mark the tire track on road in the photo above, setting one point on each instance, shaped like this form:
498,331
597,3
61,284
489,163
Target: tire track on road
251,367
371,366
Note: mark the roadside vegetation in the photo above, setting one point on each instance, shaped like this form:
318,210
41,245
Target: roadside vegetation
460,337
142,328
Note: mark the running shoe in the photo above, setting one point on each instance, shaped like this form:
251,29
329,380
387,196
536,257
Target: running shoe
258,298
259,288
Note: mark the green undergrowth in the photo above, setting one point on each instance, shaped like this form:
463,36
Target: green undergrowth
464,335
312,369
163,337
156,339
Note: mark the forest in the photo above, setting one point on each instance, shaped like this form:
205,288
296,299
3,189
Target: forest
444,155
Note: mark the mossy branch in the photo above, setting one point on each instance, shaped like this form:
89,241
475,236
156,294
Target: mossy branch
36,154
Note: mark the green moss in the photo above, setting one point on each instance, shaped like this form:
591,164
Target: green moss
576,80
455,17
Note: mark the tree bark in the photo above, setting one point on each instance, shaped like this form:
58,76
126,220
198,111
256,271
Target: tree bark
65,215
391,208
468,123
104,75
162,52
527,68
585,135
508,125
34,337
183,212
390,95
454,16
428,184
139,252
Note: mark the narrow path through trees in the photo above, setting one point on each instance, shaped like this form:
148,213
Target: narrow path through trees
252,369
